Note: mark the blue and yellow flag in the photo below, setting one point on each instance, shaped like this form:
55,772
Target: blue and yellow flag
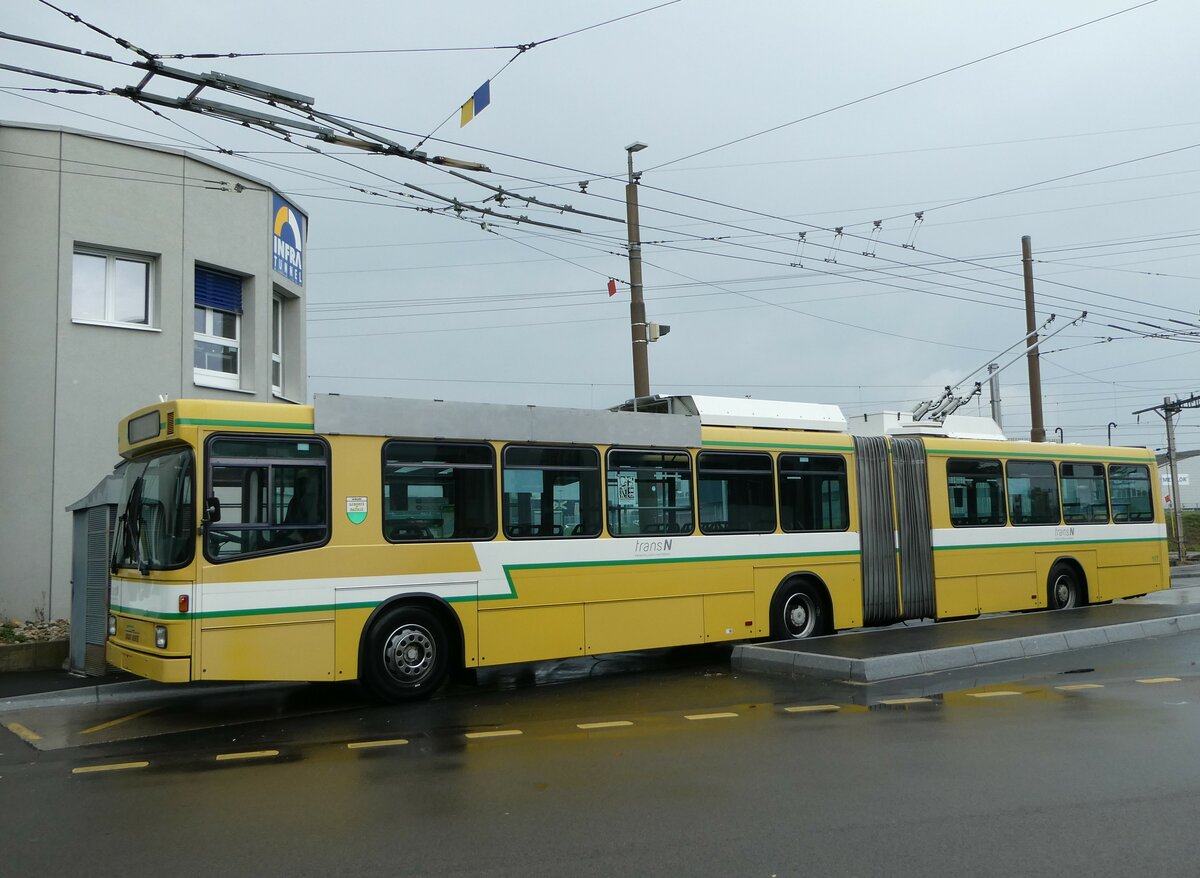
475,106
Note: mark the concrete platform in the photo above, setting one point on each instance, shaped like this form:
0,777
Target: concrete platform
902,652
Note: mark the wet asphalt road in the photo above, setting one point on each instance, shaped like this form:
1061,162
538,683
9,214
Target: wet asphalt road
1084,763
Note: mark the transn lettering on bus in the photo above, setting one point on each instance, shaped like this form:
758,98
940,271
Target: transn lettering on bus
646,547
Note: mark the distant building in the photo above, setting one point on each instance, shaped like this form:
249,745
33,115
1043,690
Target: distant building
127,272
1189,479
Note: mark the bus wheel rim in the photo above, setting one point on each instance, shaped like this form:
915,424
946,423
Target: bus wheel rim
409,654
799,615
1062,592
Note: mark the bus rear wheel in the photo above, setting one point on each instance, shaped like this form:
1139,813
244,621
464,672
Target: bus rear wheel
1066,591
798,612
407,655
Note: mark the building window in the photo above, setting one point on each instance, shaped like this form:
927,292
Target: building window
217,326
277,345
111,288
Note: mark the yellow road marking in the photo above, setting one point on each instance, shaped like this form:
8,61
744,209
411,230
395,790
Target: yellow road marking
366,745
616,723
23,733
1160,680
499,733
249,754
118,721
905,701
116,766
1074,687
998,694
813,708
698,716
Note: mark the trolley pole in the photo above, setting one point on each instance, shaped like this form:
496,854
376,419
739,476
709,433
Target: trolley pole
637,306
1037,432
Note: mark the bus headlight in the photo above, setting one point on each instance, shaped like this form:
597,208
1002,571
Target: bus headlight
112,626
160,636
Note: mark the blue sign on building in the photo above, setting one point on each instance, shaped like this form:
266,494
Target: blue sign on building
287,245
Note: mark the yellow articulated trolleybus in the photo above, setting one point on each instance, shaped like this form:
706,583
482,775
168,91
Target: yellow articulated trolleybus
393,541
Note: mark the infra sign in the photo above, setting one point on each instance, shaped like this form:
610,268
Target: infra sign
287,242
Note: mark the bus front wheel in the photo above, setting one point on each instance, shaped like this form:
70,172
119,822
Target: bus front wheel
1066,591
798,612
407,654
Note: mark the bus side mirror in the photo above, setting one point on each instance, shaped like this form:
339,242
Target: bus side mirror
212,509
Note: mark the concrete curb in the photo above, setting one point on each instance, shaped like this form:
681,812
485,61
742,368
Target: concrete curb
787,662
134,690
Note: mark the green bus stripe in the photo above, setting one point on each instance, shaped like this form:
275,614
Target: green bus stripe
1037,455
630,562
221,422
788,445
273,611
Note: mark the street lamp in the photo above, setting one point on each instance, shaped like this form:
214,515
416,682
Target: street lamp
1059,431
1111,424
637,306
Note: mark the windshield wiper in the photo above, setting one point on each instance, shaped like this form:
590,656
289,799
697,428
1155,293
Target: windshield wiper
130,544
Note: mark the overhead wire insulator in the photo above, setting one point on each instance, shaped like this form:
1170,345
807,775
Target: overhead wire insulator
873,240
911,243
800,242
836,246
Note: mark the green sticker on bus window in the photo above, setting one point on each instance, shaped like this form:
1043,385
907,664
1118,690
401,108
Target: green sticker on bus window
356,509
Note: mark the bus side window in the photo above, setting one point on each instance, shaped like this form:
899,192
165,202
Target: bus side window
551,491
976,491
1032,492
1130,487
812,493
736,491
649,492
438,491
1085,495
272,492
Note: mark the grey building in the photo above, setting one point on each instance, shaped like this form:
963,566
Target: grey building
127,272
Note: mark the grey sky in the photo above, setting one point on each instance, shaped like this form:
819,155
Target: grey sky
522,315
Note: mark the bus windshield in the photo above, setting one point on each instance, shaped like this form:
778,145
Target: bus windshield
156,522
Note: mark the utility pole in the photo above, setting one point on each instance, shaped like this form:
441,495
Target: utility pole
637,305
1167,411
1037,432
1169,414
994,387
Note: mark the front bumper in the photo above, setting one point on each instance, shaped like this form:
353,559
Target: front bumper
152,667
